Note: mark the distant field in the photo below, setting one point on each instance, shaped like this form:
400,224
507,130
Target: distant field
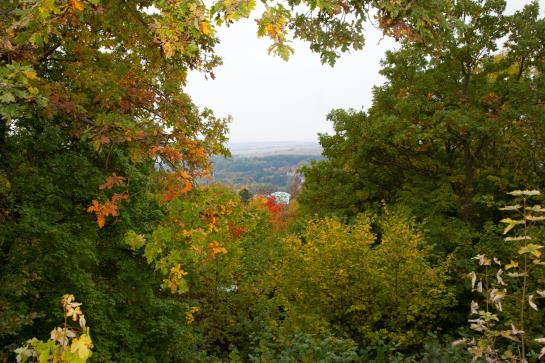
260,174
256,149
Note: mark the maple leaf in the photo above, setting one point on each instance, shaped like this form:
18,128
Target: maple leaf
76,5
119,197
82,346
175,280
95,206
175,184
109,208
74,312
189,317
101,220
215,249
112,181
272,205
235,231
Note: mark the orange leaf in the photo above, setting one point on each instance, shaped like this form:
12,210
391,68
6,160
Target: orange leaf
76,5
215,249
109,208
119,197
94,207
111,181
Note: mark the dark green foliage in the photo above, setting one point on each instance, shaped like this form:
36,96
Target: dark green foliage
300,347
244,195
456,125
434,350
49,245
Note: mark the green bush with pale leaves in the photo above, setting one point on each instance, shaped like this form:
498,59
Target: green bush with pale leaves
70,343
509,291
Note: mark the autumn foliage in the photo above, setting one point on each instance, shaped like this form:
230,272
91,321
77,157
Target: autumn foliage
105,190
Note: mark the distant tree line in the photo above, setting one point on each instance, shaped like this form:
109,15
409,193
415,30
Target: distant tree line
261,175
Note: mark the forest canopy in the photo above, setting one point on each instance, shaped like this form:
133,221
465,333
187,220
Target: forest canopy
393,249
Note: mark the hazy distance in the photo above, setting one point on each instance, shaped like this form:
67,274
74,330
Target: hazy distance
273,100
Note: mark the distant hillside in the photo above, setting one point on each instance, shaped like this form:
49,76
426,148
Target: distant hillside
257,149
263,174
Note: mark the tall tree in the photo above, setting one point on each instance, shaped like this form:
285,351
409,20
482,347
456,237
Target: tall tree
457,123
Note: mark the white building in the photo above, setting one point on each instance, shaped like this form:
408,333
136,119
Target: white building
281,197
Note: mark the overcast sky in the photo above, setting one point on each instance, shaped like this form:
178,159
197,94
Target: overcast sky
273,100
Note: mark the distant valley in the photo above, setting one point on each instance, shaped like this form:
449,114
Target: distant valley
263,168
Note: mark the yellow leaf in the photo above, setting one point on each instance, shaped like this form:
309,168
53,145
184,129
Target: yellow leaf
205,27
518,193
532,249
169,50
82,346
31,74
483,260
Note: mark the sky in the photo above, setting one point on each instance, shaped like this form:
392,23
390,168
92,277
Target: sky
273,100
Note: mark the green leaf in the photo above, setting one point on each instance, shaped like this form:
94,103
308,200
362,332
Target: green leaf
134,240
7,97
488,316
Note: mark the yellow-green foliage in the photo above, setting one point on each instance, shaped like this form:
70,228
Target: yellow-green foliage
70,343
342,278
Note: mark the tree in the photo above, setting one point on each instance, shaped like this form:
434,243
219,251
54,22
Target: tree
93,117
457,123
117,81
341,280
245,195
